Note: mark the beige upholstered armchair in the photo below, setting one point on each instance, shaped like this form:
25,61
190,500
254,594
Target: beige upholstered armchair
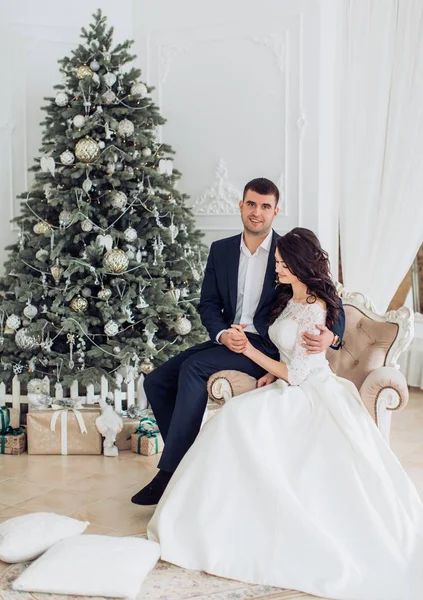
371,346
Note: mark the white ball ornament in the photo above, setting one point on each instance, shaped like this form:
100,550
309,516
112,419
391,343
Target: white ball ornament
109,97
101,144
146,152
13,322
130,234
139,89
94,65
126,128
65,217
109,78
79,121
30,311
24,341
61,99
67,158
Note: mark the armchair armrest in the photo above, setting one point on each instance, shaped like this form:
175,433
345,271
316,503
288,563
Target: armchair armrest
224,385
383,391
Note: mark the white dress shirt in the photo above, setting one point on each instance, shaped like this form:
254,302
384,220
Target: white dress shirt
251,272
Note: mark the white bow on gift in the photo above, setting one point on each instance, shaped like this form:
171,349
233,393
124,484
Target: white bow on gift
165,166
63,413
105,241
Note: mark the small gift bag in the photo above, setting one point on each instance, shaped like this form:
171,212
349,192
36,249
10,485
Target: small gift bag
147,439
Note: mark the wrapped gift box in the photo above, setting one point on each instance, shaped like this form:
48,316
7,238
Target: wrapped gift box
141,444
12,444
123,439
9,417
147,439
64,431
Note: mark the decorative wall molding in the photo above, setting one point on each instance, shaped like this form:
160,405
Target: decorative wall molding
221,198
167,54
276,44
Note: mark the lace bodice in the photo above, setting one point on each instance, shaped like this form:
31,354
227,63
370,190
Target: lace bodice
286,333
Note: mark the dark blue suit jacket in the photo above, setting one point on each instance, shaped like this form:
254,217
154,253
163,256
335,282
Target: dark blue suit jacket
220,288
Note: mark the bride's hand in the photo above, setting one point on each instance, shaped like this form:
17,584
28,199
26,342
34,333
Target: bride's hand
266,380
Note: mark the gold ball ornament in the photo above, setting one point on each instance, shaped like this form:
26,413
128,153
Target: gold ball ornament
41,227
79,304
87,150
146,366
84,71
116,261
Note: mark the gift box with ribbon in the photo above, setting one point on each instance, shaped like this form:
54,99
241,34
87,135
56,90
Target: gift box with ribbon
9,417
60,430
12,441
147,439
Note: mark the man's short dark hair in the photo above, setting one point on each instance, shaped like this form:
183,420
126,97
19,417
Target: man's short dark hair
262,186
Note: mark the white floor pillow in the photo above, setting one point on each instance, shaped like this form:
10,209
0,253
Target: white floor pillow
92,565
26,537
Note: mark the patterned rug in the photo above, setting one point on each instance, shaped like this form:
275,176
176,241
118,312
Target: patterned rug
165,582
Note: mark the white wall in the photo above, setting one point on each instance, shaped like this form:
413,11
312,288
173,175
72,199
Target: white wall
242,84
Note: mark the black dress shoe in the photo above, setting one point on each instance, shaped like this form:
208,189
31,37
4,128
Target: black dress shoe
152,492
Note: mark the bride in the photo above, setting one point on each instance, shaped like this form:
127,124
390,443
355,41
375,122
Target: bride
292,485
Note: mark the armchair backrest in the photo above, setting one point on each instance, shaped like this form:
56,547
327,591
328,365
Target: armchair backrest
371,340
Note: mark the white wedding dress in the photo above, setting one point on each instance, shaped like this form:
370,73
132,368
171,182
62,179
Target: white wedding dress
294,487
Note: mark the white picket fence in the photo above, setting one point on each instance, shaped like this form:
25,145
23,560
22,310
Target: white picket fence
132,392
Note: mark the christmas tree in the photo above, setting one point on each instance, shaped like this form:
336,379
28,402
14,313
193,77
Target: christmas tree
107,268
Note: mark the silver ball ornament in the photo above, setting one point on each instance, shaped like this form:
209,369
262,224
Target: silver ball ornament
119,199
109,78
13,322
30,311
87,225
111,328
130,234
61,99
24,340
126,128
182,326
139,89
67,158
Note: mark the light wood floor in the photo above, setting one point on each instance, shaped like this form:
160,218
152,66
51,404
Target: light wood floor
98,489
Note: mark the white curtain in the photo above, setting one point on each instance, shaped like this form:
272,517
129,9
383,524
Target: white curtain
381,144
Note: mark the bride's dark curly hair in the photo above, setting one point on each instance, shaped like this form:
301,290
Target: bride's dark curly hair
305,258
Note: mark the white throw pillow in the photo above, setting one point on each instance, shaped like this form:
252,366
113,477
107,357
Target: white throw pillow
92,565
26,537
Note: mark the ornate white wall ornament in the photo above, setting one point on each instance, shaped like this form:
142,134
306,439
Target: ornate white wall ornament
276,44
221,197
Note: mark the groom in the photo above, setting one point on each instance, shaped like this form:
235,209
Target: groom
238,287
